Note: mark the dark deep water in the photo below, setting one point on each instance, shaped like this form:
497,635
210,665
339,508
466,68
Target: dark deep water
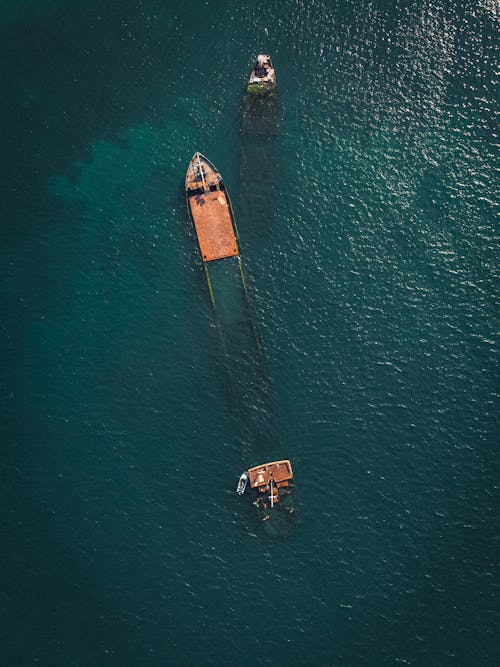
369,233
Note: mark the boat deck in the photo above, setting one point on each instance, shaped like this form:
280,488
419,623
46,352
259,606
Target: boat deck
279,471
213,224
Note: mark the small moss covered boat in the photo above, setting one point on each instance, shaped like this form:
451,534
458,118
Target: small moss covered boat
262,79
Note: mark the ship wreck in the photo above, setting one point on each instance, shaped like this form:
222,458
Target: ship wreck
261,105
210,210
271,488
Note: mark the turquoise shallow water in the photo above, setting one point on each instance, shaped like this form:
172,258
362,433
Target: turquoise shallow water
369,233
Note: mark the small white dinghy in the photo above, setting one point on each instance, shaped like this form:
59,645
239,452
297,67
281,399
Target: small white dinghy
242,483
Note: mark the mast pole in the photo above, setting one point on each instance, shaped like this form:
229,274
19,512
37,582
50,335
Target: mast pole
201,171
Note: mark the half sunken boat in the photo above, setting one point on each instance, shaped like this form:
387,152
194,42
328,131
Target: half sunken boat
262,77
271,486
210,210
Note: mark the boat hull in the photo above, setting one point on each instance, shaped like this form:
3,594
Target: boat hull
210,210
262,79
242,484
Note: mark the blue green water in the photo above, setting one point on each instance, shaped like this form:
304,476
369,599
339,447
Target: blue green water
369,233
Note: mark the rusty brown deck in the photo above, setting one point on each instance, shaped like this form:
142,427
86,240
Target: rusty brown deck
279,471
210,210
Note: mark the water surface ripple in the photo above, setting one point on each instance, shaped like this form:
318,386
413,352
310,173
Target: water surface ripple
369,233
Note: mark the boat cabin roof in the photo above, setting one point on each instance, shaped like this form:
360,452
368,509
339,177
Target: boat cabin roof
279,471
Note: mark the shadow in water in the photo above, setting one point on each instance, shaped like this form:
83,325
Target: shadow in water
250,386
256,206
261,115
259,167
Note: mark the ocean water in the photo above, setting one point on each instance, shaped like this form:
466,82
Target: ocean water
369,233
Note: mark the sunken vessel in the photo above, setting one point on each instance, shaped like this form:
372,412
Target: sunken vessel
271,488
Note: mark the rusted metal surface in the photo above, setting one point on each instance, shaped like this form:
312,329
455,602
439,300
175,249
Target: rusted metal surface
278,471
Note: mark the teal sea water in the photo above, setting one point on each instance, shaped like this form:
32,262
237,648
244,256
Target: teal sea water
369,232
